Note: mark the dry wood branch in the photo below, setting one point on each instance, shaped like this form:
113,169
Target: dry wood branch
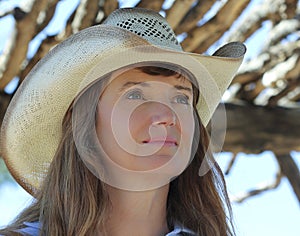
267,60
68,30
17,13
296,98
10,12
250,91
247,77
200,38
230,164
272,66
4,101
292,82
254,19
250,129
47,44
290,169
91,13
280,31
294,73
276,80
44,48
85,15
273,101
194,15
177,12
25,30
155,5
110,6
263,187
290,8
48,14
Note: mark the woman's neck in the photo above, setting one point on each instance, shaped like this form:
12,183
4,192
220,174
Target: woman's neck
138,213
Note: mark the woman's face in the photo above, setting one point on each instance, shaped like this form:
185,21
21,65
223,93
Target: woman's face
143,121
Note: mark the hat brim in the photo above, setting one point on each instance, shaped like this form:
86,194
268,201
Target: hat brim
32,127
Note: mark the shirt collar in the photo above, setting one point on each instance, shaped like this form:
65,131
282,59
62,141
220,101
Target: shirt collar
180,229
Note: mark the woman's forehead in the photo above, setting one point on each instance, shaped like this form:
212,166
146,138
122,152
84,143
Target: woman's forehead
140,75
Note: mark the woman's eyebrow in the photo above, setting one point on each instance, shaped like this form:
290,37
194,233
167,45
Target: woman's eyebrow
145,84
132,83
180,87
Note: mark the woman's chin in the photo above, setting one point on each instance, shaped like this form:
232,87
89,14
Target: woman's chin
152,162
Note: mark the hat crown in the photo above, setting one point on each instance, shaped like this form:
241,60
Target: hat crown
146,24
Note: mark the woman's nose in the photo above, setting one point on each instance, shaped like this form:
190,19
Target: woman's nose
163,115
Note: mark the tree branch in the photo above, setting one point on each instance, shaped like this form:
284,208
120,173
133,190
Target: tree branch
280,62
43,49
24,32
230,164
263,187
49,13
194,15
155,5
177,12
254,19
280,31
200,38
250,129
85,15
110,6
290,8
293,84
290,170
4,14
4,102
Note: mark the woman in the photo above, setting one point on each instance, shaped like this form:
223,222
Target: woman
108,134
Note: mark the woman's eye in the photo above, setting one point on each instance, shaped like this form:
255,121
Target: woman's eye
135,95
182,99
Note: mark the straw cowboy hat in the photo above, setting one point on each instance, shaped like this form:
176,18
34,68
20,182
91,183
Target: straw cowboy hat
31,129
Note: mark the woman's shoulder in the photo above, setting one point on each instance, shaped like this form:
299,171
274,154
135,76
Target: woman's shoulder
31,228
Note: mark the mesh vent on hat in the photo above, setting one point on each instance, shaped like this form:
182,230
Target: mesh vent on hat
147,24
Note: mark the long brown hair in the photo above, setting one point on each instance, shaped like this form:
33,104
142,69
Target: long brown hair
72,201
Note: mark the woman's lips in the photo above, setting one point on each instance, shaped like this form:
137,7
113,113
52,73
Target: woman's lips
166,141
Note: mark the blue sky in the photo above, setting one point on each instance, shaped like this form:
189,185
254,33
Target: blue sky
275,212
